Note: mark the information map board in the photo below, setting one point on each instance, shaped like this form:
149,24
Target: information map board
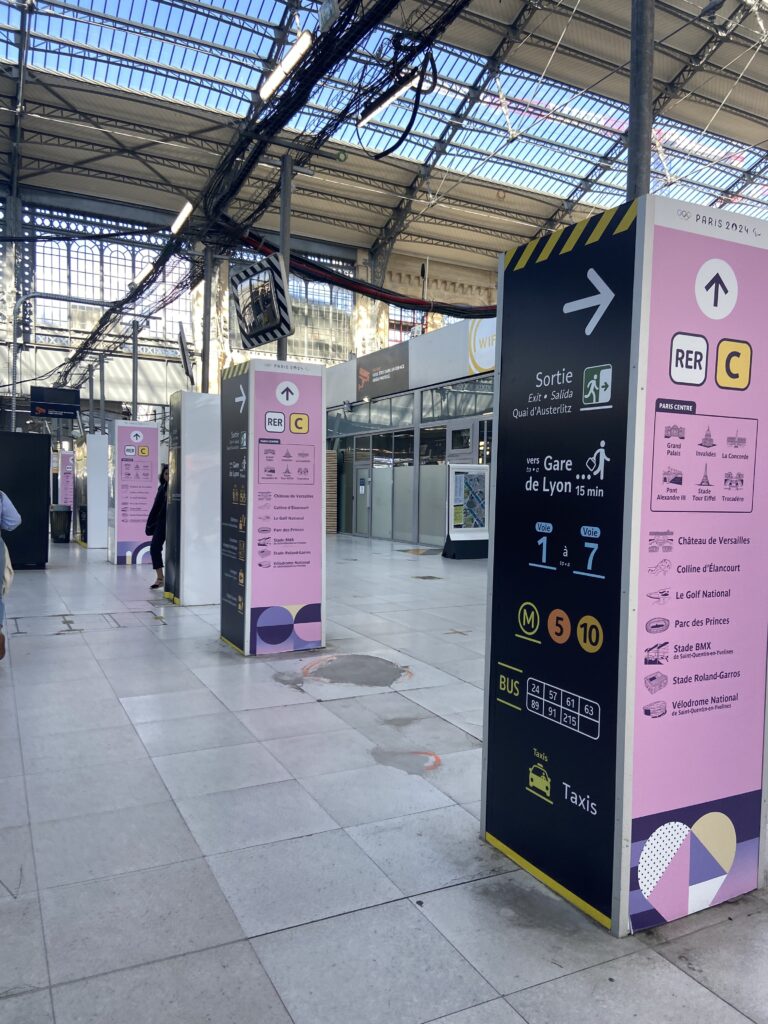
468,499
273,507
628,618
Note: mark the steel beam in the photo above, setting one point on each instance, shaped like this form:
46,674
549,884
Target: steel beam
640,100
286,185
27,9
102,395
207,304
135,370
90,400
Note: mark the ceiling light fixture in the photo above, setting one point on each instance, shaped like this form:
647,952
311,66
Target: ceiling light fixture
182,218
401,86
296,53
142,275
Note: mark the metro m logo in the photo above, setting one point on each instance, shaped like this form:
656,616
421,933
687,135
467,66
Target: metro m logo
528,619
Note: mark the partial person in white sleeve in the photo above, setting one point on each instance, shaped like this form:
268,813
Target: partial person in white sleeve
9,520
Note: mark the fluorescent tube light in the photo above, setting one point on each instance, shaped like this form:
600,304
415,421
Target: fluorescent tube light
393,93
299,50
182,218
143,274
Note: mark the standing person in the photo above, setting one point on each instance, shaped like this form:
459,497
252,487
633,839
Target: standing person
156,528
9,520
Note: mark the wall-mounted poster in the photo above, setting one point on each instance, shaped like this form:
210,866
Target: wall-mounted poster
383,373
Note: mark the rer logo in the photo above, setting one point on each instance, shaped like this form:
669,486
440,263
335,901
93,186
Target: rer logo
688,359
274,422
734,365
299,423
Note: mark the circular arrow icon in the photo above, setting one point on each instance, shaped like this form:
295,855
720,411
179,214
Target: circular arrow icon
287,393
716,289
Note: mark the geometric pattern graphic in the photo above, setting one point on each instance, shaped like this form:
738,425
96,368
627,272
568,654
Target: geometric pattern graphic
281,628
698,857
131,553
658,853
681,869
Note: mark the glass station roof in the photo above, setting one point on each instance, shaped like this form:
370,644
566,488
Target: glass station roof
524,130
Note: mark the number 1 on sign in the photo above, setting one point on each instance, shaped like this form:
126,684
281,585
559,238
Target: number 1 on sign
544,529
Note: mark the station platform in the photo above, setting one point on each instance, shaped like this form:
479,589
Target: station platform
188,836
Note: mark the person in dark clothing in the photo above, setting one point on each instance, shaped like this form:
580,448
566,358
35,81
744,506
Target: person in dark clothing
156,528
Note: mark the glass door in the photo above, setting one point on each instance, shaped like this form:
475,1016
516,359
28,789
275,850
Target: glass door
346,483
402,514
382,480
433,484
485,443
362,487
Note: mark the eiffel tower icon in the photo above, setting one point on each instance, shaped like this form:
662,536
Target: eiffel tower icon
705,479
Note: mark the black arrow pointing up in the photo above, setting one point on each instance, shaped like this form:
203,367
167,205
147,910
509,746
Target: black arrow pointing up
288,392
719,285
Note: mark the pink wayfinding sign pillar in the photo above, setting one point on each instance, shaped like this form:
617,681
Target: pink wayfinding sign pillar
625,729
133,482
273,507
66,478
699,601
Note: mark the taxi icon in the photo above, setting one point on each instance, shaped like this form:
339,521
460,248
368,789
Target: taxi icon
538,779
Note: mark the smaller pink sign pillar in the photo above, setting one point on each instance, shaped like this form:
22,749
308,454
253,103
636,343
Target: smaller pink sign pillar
67,478
133,483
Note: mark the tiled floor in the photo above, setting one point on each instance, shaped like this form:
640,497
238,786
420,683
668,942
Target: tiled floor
190,837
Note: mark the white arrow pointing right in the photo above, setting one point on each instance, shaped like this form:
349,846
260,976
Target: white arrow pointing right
241,399
602,299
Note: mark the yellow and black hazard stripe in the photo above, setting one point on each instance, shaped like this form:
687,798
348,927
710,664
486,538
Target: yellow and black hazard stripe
235,370
566,239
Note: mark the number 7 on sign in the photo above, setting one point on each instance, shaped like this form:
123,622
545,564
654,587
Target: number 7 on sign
591,547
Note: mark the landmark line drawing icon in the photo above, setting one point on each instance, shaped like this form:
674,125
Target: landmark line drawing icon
707,441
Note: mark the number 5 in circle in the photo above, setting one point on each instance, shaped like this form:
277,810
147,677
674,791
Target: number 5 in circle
559,626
